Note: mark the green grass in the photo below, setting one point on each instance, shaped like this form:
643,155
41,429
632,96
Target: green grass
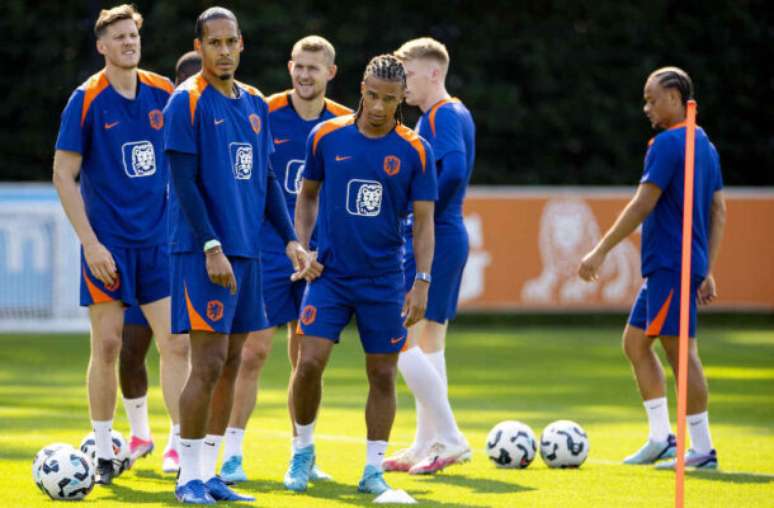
534,374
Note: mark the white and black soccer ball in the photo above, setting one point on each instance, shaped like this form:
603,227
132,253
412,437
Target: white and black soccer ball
121,462
511,444
67,474
564,444
42,455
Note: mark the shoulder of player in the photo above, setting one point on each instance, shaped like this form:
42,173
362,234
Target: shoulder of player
189,93
445,114
154,80
669,139
278,101
329,126
417,143
90,90
251,90
337,109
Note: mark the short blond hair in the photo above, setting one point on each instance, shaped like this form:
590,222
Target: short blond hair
425,48
314,43
118,13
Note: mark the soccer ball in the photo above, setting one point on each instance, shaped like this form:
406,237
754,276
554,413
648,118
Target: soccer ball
511,444
564,444
66,474
121,461
42,455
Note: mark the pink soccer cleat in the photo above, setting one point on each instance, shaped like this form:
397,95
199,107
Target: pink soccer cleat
441,456
139,448
171,462
401,461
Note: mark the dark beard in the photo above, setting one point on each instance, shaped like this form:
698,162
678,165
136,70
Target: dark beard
224,77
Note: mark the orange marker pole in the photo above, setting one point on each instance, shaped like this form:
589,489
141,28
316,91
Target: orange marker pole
685,295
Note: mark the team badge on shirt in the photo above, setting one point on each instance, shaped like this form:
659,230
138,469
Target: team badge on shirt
364,197
294,171
391,165
139,159
241,160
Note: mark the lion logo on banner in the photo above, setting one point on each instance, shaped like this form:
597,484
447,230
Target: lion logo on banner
568,229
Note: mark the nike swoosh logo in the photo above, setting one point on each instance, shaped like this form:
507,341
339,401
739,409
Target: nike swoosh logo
396,340
218,122
278,141
208,443
138,406
185,445
340,158
111,125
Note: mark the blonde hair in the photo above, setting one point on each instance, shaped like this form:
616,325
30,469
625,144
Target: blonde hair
118,13
425,48
314,43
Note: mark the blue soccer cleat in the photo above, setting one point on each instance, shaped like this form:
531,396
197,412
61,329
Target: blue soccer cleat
653,451
232,472
220,491
372,481
694,460
300,469
193,492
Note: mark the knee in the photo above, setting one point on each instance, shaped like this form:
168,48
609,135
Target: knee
107,348
308,368
173,347
382,376
209,372
635,346
254,355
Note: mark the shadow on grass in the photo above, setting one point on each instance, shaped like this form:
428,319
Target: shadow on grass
731,477
479,485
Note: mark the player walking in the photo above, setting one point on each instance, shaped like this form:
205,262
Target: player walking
658,205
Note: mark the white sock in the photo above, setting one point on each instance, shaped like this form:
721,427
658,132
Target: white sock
698,427
375,453
304,435
210,449
438,359
137,413
425,434
103,442
658,419
173,441
190,460
427,386
232,443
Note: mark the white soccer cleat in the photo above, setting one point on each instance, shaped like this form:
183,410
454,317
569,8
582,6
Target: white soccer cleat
402,460
440,457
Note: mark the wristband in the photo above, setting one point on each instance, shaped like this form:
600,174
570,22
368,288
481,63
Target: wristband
424,277
209,244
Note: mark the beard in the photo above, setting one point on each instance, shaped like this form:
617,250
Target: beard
225,77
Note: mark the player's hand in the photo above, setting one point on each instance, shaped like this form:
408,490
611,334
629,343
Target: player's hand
415,303
101,263
707,291
305,264
589,265
219,269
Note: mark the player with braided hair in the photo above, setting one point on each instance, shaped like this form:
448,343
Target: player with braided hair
362,172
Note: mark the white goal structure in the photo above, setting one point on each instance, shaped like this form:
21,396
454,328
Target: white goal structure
39,263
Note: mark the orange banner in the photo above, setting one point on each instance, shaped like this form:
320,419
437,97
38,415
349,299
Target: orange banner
525,246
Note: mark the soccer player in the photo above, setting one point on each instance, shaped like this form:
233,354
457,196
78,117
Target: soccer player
364,170
448,125
136,339
658,205
218,143
111,134
292,115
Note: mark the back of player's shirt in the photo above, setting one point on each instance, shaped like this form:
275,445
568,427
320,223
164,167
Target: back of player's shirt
232,142
367,186
663,228
290,132
449,127
124,174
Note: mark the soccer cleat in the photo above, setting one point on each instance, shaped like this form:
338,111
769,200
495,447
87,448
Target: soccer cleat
220,492
653,451
372,481
171,462
194,492
401,461
231,471
105,472
441,456
301,464
318,475
694,460
139,448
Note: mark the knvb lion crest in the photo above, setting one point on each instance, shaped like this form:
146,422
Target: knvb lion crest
139,159
241,160
364,197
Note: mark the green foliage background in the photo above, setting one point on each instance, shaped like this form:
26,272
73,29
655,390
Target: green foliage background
555,86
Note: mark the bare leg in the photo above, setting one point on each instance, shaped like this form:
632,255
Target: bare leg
381,405
255,351
646,366
313,356
107,321
132,373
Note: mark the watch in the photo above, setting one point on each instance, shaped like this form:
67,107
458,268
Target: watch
423,276
209,244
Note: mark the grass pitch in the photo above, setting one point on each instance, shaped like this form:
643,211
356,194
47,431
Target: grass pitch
534,374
